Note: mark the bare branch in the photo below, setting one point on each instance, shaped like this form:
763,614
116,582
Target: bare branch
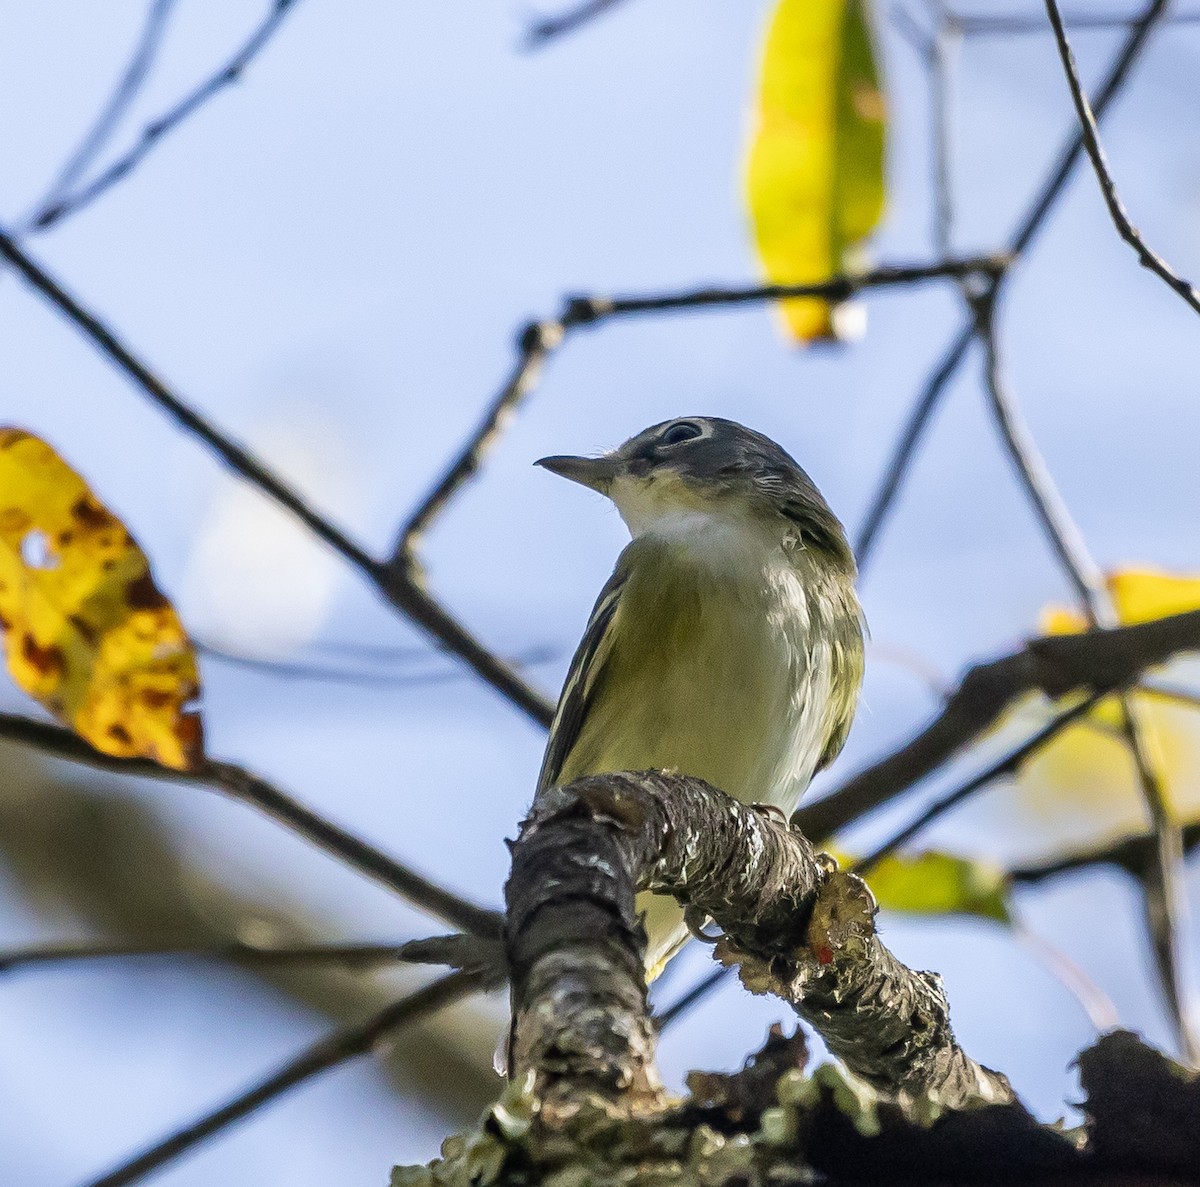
330,1052
454,951
231,72
797,928
341,674
548,28
534,345
1099,661
1163,894
127,89
538,340
398,588
907,443
240,784
1060,530
1108,187
987,25
1135,855
918,419
1008,765
1165,901
109,857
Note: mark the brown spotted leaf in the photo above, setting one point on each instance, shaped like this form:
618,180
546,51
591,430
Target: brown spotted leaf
86,630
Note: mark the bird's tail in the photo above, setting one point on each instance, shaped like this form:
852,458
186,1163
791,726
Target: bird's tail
666,931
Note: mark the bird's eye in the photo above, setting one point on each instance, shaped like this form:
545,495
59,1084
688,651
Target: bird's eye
676,434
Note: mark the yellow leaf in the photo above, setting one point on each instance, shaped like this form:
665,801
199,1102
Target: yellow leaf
815,185
1086,776
1144,594
936,883
86,630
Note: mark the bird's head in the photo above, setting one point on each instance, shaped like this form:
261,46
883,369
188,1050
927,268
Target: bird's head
705,465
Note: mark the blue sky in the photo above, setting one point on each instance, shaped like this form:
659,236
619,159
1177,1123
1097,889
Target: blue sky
331,261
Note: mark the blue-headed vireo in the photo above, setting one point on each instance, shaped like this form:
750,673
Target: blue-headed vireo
728,643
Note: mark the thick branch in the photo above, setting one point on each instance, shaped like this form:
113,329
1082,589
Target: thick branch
1099,661
796,926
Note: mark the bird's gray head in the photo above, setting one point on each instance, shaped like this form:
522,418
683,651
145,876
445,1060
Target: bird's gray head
705,464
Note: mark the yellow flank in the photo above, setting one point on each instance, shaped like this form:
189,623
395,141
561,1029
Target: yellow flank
86,630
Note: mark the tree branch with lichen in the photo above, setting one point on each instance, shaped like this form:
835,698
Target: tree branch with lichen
794,924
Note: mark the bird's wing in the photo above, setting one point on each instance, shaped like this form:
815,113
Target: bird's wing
582,678
847,674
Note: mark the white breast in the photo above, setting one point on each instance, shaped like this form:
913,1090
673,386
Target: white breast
756,674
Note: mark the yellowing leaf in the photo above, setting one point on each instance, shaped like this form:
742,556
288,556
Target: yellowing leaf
1085,781
86,630
815,185
935,883
1139,595
1144,594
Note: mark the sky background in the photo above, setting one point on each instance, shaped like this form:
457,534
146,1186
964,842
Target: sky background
331,261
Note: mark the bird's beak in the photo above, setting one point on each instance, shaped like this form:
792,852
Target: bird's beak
594,472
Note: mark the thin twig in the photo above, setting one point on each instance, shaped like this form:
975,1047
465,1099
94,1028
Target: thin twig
946,42
330,1052
913,430
1163,895
1165,902
1060,530
154,132
905,449
97,136
548,28
1003,767
240,784
702,990
538,340
1073,977
985,25
1135,855
1108,187
534,345
457,951
328,673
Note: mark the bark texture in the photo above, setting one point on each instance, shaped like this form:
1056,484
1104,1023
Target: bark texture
794,924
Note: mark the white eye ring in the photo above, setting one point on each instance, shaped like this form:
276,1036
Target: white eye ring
679,432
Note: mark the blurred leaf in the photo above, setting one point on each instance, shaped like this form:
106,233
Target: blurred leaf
815,184
86,630
1084,780
1139,595
936,883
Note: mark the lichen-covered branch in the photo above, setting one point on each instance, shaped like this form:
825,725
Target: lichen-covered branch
795,925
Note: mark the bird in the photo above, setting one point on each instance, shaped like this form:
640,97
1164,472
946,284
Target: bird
727,644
